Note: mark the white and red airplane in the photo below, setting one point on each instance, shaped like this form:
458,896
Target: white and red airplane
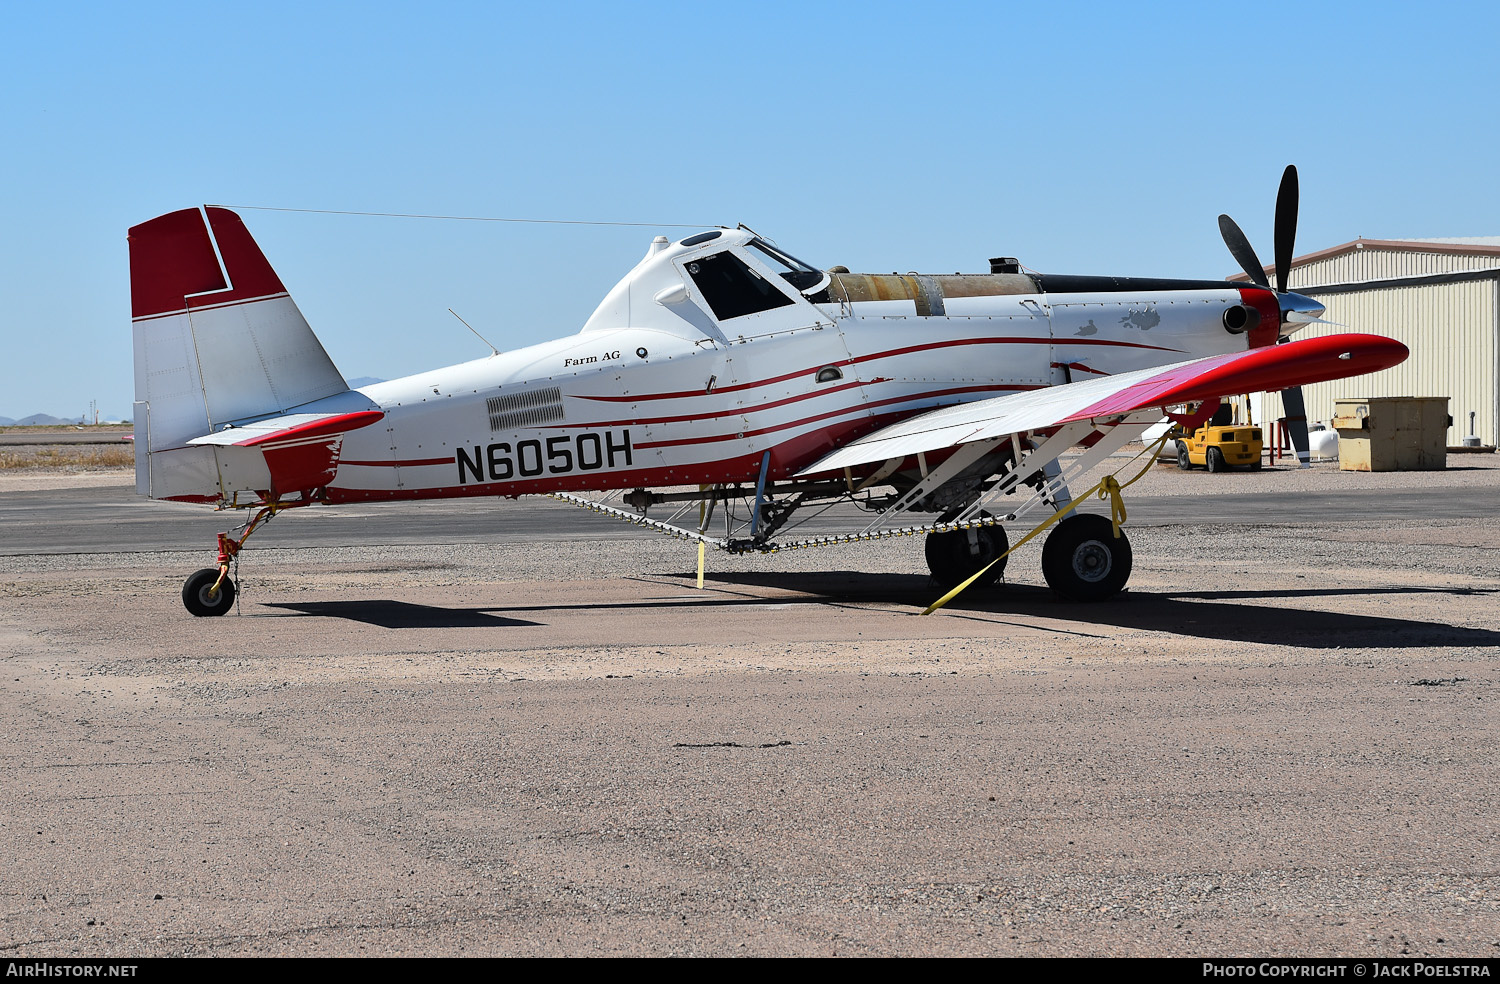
725,365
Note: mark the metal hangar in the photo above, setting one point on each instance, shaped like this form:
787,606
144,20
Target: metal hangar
1441,297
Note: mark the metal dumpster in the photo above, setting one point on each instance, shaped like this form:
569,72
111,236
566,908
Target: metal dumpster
1393,433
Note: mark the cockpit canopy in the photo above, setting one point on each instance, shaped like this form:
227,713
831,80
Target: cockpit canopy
724,271
732,287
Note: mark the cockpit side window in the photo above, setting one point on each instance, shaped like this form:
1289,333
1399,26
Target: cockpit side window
792,270
731,288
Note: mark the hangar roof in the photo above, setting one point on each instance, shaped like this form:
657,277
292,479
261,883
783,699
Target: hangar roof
1462,241
1457,245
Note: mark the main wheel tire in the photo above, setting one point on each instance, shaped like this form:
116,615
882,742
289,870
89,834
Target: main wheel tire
200,598
1216,461
1083,560
1183,461
953,559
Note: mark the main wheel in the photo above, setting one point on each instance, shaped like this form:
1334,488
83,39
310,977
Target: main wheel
200,598
1083,560
1183,461
1216,461
953,557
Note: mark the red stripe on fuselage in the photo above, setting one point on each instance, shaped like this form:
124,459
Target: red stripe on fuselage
702,415
859,408
740,469
1080,367
786,459
408,463
889,353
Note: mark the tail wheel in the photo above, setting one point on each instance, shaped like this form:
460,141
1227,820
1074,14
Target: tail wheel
1083,560
1216,461
955,556
201,599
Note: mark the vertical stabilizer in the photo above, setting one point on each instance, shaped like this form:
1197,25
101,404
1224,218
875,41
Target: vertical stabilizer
217,341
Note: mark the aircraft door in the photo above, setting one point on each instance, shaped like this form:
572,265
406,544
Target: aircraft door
795,394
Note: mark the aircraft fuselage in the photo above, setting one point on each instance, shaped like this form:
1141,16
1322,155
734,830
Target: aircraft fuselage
685,397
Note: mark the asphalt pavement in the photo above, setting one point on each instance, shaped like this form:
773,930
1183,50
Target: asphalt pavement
517,728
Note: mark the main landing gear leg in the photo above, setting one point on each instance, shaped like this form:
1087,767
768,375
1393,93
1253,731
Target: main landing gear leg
211,590
1086,557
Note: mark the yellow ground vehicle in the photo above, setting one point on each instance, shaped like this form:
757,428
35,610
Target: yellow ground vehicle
1219,447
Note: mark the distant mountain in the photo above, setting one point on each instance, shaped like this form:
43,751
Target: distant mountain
45,420
359,381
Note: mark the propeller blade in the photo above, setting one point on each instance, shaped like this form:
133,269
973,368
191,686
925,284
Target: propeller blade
1239,248
1286,225
1296,422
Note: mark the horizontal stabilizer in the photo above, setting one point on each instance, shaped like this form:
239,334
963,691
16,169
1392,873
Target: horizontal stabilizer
1311,360
293,453
293,428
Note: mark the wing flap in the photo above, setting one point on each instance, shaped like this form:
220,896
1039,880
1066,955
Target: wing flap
1311,360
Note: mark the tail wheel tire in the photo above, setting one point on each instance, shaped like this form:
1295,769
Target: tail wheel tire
1216,460
200,597
1183,461
953,557
1083,560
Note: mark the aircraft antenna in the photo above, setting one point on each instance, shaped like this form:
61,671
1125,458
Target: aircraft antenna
476,334
475,218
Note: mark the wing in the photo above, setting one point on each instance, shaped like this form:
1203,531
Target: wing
1277,367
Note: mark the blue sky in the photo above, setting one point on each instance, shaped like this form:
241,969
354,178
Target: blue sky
1082,138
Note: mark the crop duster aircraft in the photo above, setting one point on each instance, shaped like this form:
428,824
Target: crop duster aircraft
722,373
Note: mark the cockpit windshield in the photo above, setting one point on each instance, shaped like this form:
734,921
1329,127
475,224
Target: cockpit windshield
792,270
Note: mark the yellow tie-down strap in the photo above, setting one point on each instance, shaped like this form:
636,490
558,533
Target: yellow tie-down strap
1107,488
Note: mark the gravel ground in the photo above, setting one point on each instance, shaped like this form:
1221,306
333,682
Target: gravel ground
1281,740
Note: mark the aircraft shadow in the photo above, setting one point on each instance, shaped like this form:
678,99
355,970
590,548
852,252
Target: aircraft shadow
401,614
1204,614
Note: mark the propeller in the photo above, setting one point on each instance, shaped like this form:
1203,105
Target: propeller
1286,236
1296,310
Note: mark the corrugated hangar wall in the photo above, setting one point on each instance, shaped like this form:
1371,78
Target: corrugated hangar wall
1452,328
1371,263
